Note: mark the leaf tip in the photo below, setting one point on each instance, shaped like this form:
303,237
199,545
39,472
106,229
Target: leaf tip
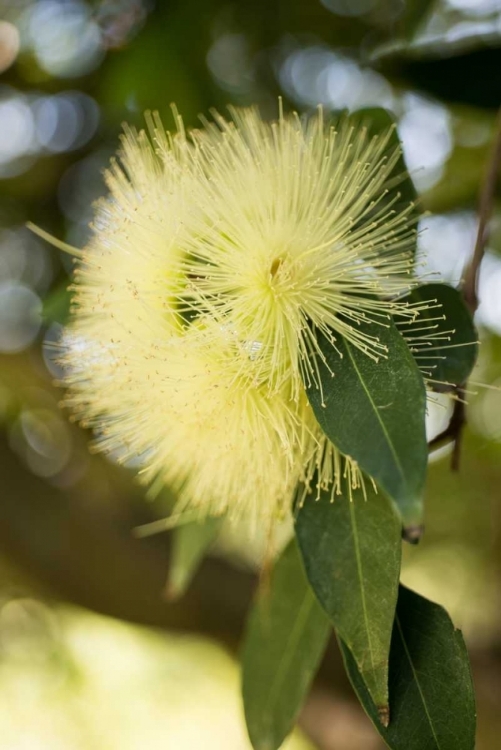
264,743
413,533
383,713
171,592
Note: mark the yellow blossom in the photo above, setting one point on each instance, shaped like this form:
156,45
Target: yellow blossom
214,260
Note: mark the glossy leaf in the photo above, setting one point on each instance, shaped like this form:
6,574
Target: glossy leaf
351,552
286,635
432,705
190,542
375,413
447,348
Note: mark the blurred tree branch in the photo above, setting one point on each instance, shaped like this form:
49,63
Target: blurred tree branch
469,287
485,208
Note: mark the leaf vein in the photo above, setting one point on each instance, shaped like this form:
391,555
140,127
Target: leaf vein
378,416
290,648
425,705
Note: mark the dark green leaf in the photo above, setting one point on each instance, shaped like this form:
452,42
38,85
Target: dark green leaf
56,306
414,14
402,32
375,413
190,542
286,636
447,348
432,705
351,551
447,43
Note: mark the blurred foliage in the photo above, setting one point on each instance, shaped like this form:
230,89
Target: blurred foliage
71,73
70,679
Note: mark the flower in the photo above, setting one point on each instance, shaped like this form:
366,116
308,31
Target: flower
297,234
215,260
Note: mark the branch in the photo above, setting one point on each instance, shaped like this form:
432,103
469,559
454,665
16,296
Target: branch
485,207
469,286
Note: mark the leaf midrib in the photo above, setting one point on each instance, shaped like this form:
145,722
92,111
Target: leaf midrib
361,579
378,416
290,649
425,705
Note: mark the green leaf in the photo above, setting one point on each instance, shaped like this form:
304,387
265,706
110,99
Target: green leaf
351,552
404,31
432,704
286,635
452,39
374,412
447,348
190,542
56,306
413,17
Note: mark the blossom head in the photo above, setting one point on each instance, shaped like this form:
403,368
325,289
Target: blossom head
215,261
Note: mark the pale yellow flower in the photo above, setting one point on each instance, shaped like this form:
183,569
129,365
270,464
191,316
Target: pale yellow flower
213,259
297,232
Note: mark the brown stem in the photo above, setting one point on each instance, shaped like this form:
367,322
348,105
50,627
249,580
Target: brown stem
486,204
469,286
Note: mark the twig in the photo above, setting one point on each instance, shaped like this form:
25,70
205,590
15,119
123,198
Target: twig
486,204
469,285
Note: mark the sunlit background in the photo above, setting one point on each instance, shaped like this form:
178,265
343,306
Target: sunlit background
92,655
